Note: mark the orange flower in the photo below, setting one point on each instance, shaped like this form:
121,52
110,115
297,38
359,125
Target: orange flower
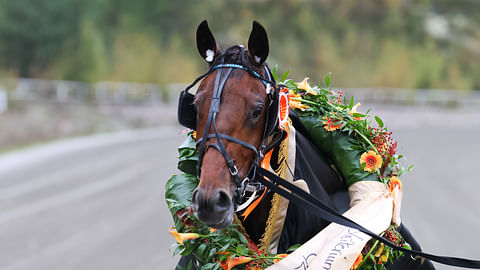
280,257
394,182
236,261
194,135
331,124
295,104
180,237
372,161
357,262
303,85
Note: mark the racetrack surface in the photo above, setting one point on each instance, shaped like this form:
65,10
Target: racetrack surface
98,203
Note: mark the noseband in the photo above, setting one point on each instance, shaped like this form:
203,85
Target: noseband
248,180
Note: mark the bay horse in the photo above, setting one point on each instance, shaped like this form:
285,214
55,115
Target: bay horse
235,118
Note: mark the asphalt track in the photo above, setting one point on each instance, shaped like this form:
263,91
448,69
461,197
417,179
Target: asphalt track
97,202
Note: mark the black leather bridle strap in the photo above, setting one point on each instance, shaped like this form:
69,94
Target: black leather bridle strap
211,115
214,109
232,139
303,199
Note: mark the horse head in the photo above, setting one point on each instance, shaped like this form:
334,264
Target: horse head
233,103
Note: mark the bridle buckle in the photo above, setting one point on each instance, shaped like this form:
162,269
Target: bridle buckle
233,170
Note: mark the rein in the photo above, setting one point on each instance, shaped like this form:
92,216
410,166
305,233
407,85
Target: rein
302,198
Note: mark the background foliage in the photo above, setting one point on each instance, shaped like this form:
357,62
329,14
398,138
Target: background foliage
365,43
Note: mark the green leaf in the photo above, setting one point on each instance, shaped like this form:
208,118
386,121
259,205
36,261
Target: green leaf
242,250
212,252
350,105
201,249
327,79
178,191
379,121
187,251
293,248
274,73
410,168
208,266
178,250
243,239
358,115
285,75
227,245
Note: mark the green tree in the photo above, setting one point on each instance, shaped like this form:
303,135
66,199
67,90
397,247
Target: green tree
33,31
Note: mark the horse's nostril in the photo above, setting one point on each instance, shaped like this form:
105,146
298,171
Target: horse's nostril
195,199
218,202
223,202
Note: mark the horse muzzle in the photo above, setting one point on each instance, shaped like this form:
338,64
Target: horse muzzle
215,209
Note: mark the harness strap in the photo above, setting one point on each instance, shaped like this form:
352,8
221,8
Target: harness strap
304,199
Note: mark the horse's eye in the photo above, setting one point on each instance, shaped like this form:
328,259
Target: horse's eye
256,113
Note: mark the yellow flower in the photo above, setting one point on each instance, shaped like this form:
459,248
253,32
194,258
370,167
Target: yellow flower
295,104
384,258
354,110
303,85
236,261
379,250
372,161
180,237
394,182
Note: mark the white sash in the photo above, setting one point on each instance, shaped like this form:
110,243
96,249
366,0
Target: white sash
337,246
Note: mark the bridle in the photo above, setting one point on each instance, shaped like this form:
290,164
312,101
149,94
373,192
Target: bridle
223,72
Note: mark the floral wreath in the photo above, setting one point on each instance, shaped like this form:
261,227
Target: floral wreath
231,248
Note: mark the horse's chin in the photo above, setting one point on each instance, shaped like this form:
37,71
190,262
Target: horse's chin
224,222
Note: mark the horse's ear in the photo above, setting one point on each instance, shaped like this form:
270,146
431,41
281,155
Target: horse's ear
258,44
206,44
